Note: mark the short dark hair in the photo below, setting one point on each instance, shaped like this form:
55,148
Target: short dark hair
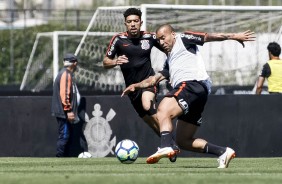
274,48
132,11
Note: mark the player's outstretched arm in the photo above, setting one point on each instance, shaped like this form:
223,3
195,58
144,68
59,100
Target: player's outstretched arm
110,63
240,37
151,81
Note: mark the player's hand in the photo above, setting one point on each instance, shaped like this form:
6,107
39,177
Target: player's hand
70,116
128,90
121,60
245,36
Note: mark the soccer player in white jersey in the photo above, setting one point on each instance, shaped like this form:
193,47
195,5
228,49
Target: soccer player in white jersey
191,85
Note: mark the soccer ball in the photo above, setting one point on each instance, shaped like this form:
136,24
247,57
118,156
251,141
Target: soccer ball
85,155
126,151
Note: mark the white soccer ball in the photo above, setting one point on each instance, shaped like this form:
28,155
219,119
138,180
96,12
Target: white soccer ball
85,155
126,151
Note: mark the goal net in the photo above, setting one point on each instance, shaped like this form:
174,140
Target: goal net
228,63
47,58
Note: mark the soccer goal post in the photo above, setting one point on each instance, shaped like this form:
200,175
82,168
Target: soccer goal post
47,55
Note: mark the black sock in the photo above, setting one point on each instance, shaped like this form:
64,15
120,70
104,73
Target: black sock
214,149
166,139
173,135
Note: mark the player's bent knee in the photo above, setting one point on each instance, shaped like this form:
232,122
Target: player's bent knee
161,115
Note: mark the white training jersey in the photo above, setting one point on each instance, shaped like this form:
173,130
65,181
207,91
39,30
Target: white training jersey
184,62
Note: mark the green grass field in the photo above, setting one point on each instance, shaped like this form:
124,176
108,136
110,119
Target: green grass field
110,170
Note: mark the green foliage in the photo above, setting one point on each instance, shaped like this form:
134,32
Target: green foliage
16,46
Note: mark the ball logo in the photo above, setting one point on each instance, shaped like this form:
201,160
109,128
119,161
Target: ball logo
98,132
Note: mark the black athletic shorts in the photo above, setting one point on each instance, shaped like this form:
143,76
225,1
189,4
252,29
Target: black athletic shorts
136,99
191,97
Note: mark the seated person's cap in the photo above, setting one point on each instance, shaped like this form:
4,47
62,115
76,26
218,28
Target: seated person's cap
70,58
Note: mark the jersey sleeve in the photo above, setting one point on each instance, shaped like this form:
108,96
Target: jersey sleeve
194,37
265,72
65,91
112,48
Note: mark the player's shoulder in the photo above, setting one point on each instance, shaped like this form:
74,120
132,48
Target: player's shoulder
194,32
192,35
147,35
275,61
266,65
121,35
64,73
269,62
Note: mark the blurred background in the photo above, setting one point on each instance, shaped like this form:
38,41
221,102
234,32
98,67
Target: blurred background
35,34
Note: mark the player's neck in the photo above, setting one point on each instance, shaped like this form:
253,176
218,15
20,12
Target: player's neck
134,36
275,58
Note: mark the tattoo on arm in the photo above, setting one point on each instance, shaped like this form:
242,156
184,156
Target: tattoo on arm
219,36
151,81
148,82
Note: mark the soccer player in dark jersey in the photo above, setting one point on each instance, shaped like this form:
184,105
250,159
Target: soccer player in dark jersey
272,70
131,51
191,85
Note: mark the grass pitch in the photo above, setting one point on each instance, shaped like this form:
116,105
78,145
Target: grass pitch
110,170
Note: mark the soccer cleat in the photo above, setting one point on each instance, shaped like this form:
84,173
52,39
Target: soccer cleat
161,153
225,158
173,158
